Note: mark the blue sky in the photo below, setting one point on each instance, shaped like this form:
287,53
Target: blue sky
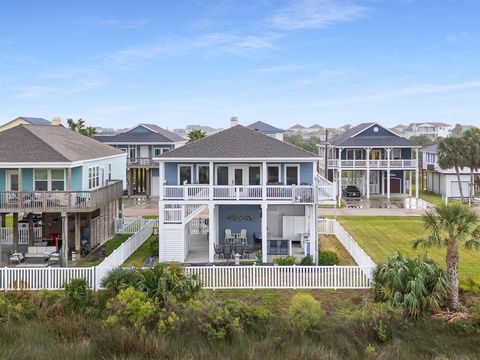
118,63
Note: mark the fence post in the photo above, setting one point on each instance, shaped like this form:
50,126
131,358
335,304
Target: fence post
294,276
335,281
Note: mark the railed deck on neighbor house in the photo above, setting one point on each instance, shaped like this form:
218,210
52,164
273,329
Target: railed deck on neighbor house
371,164
60,201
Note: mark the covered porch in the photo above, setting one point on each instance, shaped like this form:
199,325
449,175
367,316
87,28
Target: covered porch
228,230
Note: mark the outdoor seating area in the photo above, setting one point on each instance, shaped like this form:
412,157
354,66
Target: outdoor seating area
36,256
234,243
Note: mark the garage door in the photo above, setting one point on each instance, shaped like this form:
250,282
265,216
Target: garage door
455,192
395,187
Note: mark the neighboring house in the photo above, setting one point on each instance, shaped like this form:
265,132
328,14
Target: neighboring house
316,130
432,130
243,180
445,181
267,129
372,154
184,132
23,120
399,129
72,182
142,143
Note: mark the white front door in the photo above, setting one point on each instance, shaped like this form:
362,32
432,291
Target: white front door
144,151
12,180
374,182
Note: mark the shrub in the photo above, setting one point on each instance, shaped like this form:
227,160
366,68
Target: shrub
284,260
305,312
9,311
307,261
418,285
328,258
78,294
131,308
119,279
215,319
167,283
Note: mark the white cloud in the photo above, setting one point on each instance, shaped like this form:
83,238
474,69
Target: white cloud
314,14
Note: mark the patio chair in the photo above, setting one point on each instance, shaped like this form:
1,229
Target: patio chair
218,251
229,238
227,251
248,250
238,249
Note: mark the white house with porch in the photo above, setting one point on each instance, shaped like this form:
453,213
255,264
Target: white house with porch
373,158
256,193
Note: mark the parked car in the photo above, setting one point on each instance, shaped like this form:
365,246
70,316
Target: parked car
351,191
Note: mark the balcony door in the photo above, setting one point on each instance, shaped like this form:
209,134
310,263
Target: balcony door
12,180
238,175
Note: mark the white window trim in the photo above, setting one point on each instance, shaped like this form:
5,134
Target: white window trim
298,172
279,171
162,150
95,177
392,154
178,173
49,179
198,173
261,173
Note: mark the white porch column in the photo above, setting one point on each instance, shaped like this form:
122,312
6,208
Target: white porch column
210,179
77,234
264,232
340,176
65,239
264,180
211,232
410,183
416,174
368,172
161,177
388,171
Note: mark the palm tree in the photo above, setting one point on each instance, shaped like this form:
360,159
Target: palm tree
79,126
448,226
194,135
472,156
451,154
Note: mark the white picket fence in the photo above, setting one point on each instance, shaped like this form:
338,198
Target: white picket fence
129,225
209,277
333,227
123,252
6,235
44,278
281,277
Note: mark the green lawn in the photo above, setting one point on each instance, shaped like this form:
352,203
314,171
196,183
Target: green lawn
331,243
380,237
138,258
108,247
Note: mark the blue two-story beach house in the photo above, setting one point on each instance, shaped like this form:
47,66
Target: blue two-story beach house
70,184
373,158
142,143
257,193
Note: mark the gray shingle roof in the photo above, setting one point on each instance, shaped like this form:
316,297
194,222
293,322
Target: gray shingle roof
348,138
264,127
159,135
35,121
238,142
34,143
430,149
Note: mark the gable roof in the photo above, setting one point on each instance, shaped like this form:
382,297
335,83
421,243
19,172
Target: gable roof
52,143
157,134
297,126
350,138
35,120
264,127
238,142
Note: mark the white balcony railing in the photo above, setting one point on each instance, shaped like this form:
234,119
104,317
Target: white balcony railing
60,201
373,164
295,193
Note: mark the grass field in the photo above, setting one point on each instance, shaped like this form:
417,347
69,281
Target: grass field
108,247
138,258
380,237
330,243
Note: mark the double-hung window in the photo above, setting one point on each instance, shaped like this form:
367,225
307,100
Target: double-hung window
291,174
49,179
254,175
93,177
222,175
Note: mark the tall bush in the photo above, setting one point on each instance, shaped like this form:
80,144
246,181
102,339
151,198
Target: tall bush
305,312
